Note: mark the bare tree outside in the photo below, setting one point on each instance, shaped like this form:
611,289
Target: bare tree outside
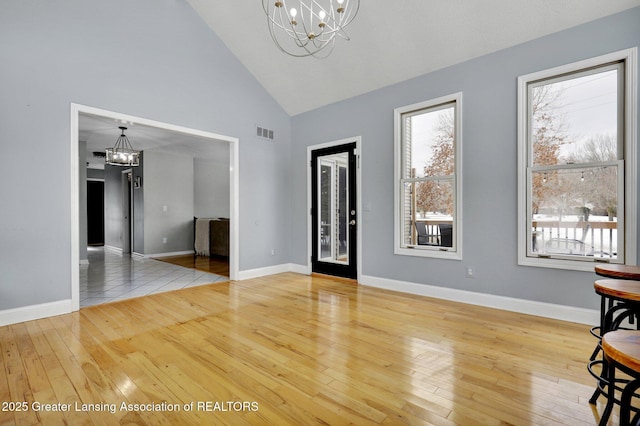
548,134
435,196
602,188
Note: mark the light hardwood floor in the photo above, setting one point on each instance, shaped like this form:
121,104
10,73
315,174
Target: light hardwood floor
215,265
293,349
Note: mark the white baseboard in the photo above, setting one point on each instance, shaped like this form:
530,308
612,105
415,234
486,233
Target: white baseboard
172,253
529,307
113,249
118,250
34,312
263,272
300,269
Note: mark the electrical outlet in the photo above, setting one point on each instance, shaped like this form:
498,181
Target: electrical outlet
164,240
470,272
273,252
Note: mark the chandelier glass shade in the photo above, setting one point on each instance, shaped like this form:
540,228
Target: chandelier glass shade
122,153
309,27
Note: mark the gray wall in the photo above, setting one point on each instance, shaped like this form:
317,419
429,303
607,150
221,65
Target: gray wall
94,173
168,203
152,59
211,188
488,84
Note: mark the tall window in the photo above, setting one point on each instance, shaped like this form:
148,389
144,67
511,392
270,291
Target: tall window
428,183
576,163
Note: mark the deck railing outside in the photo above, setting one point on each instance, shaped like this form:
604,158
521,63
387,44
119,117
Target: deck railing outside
587,238
590,238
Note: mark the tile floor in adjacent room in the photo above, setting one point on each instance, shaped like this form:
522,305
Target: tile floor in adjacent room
111,276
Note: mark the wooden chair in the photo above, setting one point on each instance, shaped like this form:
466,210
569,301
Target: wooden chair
622,353
424,237
446,234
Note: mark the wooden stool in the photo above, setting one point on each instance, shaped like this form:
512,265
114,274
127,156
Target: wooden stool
620,300
622,352
625,272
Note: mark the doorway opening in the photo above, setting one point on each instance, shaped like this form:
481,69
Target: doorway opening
95,213
202,140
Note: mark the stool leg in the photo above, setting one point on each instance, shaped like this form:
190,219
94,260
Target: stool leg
602,382
594,398
615,324
625,401
595,353
610,368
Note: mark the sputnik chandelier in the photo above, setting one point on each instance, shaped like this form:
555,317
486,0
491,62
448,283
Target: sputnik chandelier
122,153
309,27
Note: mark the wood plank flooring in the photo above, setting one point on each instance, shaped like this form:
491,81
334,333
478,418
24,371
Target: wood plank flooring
293,349
216,265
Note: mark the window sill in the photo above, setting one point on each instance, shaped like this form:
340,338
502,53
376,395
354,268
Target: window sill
555,263
434,253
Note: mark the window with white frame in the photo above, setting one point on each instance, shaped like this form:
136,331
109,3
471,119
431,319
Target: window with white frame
428,143
577,163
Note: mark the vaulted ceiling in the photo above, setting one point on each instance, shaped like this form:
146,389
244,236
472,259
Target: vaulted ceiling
391,41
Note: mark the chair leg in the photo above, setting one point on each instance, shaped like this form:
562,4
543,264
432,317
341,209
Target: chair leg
595,353
609,367
594,398
602,382
625,402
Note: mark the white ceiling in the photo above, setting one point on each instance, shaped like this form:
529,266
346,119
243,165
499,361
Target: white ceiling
391,41
101,132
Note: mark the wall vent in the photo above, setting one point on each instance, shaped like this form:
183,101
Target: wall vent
263,133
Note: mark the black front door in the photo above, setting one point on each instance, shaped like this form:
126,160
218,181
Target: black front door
333,211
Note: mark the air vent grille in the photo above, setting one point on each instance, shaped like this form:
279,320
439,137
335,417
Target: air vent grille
264,133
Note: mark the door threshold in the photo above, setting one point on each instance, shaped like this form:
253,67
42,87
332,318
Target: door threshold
334,277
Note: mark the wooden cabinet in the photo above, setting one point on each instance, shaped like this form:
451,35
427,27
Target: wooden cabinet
219,237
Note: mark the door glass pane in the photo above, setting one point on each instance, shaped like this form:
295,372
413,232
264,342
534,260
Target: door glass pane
575,212
325,211
333,202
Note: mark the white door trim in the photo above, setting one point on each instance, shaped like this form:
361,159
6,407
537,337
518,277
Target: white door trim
234,193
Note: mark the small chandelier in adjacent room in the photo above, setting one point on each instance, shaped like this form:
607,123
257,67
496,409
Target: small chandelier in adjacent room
309,27
122,153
